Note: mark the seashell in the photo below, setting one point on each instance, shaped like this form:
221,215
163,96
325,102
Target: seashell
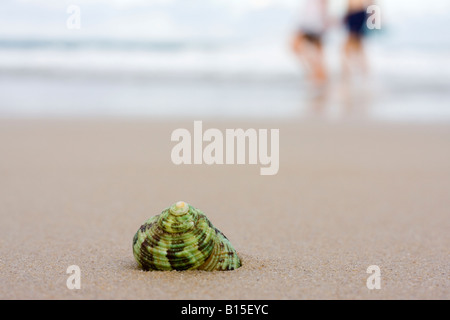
182,238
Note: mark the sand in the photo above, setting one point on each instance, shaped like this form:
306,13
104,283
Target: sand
347,196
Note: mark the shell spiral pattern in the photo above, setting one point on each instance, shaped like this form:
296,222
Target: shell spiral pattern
182,238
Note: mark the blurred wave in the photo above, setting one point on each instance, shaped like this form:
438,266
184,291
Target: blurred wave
168,59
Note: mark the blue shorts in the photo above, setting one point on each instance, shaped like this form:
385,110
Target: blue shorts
356,22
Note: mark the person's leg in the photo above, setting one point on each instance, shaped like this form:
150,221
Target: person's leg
320,73
347,57
309,49
354,57
360,55
300,47
298,43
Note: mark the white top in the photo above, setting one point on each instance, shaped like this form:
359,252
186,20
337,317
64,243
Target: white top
314,17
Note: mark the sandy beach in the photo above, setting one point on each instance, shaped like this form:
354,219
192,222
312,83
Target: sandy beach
347,196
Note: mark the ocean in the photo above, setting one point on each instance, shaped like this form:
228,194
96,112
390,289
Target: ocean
44,75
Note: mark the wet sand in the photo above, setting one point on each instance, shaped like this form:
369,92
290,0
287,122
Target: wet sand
347,196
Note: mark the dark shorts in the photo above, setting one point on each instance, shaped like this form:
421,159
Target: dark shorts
356,22
313,38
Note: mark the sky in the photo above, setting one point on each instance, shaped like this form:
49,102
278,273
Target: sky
208,19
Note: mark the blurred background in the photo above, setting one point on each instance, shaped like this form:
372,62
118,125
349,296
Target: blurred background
216,58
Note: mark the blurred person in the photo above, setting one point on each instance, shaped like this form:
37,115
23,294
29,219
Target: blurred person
308,41
355,22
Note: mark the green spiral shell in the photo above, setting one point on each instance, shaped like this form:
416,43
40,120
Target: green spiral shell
182,238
